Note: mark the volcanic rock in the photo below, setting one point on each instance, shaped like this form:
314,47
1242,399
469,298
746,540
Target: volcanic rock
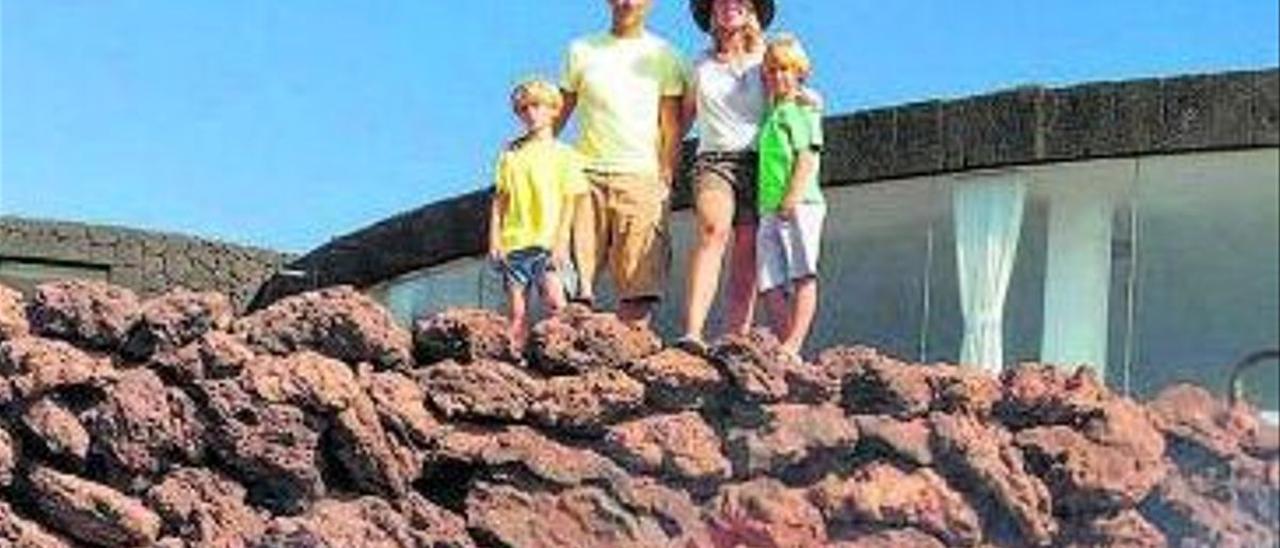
481,390
589,402
579,340
1040,395
578,516
13,314
681,447
678,380
143,428
205,509
175,319
879,385
58,431
791,435
907,441
1109,465
91,314
764,512
8,456
463,335
881,495
1127,529
367,522
756,365
980,455
92,512
338,322
33,366
20,532
213,355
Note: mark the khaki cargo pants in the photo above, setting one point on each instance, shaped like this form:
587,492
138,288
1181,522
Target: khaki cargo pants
622,226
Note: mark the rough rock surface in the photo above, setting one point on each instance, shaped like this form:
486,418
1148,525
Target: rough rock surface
764,512
92,512
578,516
214,355
463,335
310,423
907,441
142,429
589,402
8,456
579,340
338,322
176,318
57,431
86,313
792,435
205,508
367,521
13,314
678,380
1110,464
20,532
33,366
480,390
756,365
681,446
981,455
881,494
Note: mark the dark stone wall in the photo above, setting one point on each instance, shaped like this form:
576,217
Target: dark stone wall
147,262
1029,125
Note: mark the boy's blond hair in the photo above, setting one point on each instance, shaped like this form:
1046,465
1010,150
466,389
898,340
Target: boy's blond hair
536,90
785,50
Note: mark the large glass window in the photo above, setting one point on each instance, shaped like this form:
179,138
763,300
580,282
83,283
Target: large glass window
1153,269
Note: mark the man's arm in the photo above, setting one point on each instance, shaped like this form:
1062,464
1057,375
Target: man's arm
688,109
801,174
566,110
670,128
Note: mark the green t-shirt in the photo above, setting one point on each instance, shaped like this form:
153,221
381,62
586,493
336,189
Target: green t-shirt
788,129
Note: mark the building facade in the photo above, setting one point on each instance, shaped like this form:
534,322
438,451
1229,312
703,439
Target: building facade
1133,227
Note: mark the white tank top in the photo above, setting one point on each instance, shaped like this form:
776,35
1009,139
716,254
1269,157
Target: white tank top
730,104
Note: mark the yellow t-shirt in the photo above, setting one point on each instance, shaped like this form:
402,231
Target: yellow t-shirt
619,83
536,176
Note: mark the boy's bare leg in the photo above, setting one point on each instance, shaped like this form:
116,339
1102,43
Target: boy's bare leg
775,305
714,215
804,304
741,293
553,293
517,311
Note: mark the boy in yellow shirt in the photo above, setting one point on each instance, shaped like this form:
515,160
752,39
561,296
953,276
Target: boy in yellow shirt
538,182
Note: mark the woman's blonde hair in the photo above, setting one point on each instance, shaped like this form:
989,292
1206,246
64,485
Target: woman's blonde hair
753,35
536,90
785,50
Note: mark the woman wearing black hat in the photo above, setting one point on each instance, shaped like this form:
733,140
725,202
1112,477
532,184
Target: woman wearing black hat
728,100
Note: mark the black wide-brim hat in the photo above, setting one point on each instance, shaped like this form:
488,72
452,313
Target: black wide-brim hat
702,13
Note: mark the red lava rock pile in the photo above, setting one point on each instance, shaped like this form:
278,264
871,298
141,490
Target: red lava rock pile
319,422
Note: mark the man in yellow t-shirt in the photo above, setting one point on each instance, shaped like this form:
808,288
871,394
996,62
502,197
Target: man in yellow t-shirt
537,184
626,85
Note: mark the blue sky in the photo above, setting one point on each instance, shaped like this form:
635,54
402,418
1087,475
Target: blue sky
282,123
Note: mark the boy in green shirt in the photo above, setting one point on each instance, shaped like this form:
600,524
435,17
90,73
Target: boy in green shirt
537,184
791,206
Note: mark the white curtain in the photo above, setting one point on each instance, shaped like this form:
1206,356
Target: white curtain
1077,280
988,215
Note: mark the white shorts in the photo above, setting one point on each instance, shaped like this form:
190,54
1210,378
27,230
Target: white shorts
787,250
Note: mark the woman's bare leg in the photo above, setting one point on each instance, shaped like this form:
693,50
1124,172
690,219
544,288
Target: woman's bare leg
741,293
714,210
